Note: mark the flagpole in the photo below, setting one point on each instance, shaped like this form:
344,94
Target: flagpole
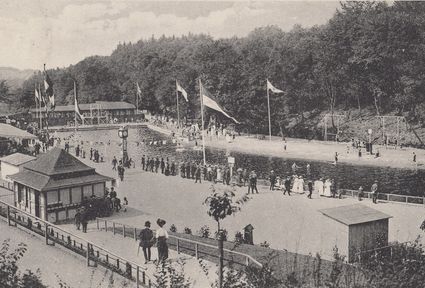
202,119
75,112
137,99
268,105
35,97
39,112
178,112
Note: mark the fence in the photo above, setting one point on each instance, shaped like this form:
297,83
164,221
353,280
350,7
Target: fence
402,199
7,185
92,252
182,245
386,252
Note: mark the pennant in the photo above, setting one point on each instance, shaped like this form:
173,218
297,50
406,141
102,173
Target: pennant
139,91
208,101
37,96
272,88
48,87
76,107
182,91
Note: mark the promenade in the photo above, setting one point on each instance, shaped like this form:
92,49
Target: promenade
301,229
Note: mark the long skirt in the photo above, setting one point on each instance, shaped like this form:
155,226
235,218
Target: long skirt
162,249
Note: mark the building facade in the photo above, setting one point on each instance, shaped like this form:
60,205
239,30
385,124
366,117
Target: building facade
54,186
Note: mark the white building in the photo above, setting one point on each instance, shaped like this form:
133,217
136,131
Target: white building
12,164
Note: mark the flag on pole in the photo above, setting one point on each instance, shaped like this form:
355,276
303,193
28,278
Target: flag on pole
76,107
208,101
139,91
48,87
272,88
37,96
182,91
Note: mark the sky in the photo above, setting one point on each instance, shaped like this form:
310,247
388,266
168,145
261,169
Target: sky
63,32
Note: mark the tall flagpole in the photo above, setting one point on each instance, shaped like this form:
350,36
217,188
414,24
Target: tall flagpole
39,111
75,101
36,109
268,105
202,119
178,112
137,98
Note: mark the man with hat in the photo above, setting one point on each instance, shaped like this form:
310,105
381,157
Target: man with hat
146,241
272,180
161,238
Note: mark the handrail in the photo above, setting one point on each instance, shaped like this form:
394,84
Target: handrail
188,240
76,239
387,196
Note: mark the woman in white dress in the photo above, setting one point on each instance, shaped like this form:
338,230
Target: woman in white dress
327,188
219,174
301,185
295,184
319,187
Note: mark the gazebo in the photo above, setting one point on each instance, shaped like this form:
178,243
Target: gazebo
53,186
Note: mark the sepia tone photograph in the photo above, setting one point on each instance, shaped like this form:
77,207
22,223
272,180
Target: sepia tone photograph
212,144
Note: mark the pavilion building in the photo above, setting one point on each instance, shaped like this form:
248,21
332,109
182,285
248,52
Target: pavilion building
53,186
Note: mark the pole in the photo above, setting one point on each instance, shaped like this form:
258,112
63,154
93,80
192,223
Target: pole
202,119
137,102
41,100
178,112
220,260
75,102
268,106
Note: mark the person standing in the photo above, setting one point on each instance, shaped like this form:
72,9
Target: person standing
183,170
143,162
78,219
193,170
310,189
161,238
173,168
198,174
121,172
77,150
84,220
414,158
360,193
162,165
245,177
374,190
287,186
91,153
188,170
205,171
272,180
227,176
156,164
146,241
152,164
114,162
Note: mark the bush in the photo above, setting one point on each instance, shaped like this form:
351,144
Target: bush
204,232
187,231
173,228
265,244
223,234
239,238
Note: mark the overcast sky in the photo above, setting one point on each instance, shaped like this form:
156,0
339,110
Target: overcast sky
63,32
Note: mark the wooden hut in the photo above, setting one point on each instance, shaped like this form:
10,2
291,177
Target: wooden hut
357,228
53,186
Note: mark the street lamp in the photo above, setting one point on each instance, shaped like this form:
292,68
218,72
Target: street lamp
123,134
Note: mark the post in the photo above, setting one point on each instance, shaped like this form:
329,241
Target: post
143,277
196,251
106,226
268,106
137,276
88,254
39,110
113,227
46,235
75,112
8,215
178,112
135,234
220,260
247,261
326,127
178,246
97,223
123,231
202,119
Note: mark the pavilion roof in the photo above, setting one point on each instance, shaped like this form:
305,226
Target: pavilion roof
9,131
354,214
17,159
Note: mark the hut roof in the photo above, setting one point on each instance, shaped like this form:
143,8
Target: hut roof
17,159
57,161
354,214
9,131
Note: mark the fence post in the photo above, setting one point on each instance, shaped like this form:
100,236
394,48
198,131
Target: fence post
8,215
97,223
46,235
247,261
113,227
178,246
220,260
196,251
137,276
106,226
135,234
88,254
123,230
143,277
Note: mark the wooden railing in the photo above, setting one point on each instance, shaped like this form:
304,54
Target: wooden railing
394,198
94,254
180,244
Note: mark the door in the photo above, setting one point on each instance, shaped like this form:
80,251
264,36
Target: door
37,203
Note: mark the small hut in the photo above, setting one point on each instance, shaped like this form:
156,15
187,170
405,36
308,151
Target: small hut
357,228
53,186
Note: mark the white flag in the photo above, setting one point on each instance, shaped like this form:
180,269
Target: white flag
181,90
272,88
207,100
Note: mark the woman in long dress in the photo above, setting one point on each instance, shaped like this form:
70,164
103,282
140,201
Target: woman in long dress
295,184
161,238
319,187
219,174
301,185
327,188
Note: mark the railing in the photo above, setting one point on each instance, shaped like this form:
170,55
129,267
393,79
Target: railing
181,245
379,253
7,185
396,198
92,252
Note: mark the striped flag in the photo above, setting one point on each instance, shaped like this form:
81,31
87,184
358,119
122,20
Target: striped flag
272,88
182,91
208,100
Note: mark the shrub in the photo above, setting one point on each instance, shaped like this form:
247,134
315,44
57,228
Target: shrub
187,230
204,232
239,238
223,234
265,244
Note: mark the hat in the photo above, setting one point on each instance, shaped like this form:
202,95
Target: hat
160,222
147,224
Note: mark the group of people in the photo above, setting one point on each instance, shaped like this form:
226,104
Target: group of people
147,240
152,164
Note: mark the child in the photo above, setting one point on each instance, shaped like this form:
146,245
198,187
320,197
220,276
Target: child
125,204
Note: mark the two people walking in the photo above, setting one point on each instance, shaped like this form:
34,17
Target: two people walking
147,240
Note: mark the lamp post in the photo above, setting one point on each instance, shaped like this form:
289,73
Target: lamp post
123,134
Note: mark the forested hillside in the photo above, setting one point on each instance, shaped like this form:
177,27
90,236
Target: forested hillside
369,55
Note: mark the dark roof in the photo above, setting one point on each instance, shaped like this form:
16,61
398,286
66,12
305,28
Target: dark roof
9,131
354,214
105,105
57,161
17,159
42,182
